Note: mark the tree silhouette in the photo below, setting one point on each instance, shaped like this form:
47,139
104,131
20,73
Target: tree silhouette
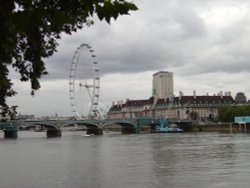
29,30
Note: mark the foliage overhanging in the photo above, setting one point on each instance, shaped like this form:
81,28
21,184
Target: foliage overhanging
29,30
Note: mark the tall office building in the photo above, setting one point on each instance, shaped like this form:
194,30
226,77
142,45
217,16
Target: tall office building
163,85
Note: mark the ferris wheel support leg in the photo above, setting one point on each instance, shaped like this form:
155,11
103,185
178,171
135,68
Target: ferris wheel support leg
95,131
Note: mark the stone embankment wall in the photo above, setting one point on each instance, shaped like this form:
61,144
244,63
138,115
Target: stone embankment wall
225,127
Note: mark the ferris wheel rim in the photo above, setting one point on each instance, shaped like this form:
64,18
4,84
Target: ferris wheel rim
95,80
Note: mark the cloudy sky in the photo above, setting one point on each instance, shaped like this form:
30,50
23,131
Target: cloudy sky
204,43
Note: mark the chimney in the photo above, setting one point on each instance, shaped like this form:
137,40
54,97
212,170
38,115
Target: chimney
194,92
120,103
221,94
180,95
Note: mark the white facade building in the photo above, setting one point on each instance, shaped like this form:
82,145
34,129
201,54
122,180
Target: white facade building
163,85
163,103
177,108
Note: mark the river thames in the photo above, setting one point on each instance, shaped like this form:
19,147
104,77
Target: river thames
197,160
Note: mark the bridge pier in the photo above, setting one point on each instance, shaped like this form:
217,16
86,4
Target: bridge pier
54,133
95,131
10,133
129,130
10,130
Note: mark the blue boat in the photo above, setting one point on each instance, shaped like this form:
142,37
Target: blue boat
163,127
167,130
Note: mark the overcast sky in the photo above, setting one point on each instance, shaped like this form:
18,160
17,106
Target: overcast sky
204,43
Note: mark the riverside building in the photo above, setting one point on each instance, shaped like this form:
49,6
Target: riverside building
164,104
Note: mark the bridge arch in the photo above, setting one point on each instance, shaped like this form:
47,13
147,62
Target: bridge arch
91,128
126,127
51,129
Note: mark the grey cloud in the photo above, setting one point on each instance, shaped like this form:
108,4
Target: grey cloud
174,36
190,24
162,35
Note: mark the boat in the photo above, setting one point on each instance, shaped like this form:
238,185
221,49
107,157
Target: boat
164,127
186,125
167,130
89,135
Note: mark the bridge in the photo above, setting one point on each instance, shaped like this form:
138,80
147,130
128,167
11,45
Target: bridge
53,127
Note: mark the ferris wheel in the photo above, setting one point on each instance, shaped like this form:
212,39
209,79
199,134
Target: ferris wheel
84,83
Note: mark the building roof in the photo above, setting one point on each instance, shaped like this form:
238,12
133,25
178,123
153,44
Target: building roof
197,99
132,103
175,100
161,72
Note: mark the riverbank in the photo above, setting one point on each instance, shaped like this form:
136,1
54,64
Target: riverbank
211,127
220,127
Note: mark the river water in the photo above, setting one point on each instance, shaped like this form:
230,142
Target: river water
197,160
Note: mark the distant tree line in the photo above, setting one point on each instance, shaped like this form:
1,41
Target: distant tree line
227,113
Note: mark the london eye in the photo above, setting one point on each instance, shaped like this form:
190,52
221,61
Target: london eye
84,83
